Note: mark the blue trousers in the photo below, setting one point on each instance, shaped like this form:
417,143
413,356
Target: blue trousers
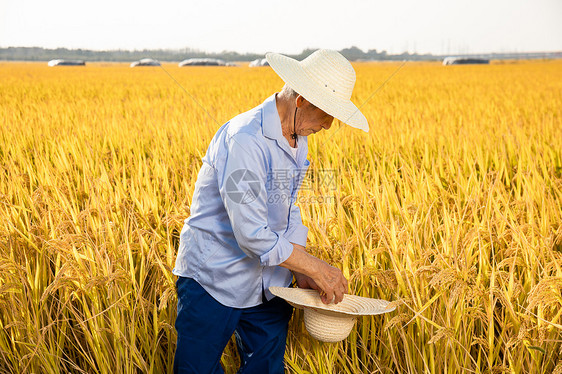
205,326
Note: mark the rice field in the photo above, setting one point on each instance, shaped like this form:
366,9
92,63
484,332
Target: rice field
451,206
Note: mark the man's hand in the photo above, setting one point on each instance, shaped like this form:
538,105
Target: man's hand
304,281
331,282
311,272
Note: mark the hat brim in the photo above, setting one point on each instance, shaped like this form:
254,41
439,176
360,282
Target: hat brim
292,73
351,305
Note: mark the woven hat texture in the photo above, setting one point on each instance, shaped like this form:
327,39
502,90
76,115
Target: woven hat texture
326,79
330,322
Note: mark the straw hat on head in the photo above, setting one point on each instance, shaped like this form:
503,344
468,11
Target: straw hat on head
330,322
326,79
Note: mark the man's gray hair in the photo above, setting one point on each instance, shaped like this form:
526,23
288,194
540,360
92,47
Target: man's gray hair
289,92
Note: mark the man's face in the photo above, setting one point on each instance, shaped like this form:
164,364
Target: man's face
311,119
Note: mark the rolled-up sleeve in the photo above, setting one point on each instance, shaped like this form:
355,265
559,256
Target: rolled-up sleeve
242,177
296,232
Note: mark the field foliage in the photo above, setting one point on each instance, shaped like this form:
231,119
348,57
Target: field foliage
450,206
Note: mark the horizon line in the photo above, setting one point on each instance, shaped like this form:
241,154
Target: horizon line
197,50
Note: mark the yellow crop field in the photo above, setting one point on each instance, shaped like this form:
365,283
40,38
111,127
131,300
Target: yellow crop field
451,206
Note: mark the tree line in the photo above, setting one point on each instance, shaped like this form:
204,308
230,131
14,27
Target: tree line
176,55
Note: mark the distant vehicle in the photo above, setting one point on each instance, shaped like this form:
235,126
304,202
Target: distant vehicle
203,62
464,60
259,62
61,62
145,62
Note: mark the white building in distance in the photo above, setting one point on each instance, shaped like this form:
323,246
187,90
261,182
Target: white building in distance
145,62
61,62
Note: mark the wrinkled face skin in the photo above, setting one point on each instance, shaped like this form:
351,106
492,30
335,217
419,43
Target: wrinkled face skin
310,119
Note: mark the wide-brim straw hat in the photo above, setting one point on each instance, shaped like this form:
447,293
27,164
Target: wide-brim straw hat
330,322
326,79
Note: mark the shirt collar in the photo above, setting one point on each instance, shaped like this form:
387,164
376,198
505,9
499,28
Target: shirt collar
271,127
271,123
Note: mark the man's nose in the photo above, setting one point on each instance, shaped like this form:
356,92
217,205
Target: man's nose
327,125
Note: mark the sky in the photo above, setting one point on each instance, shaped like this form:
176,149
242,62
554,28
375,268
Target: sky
288,26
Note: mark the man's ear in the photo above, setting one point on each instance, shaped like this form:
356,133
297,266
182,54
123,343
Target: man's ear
299,101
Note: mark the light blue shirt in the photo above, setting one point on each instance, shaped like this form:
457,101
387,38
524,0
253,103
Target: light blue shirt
243,217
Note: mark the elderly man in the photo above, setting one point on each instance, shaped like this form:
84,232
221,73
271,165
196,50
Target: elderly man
245,234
